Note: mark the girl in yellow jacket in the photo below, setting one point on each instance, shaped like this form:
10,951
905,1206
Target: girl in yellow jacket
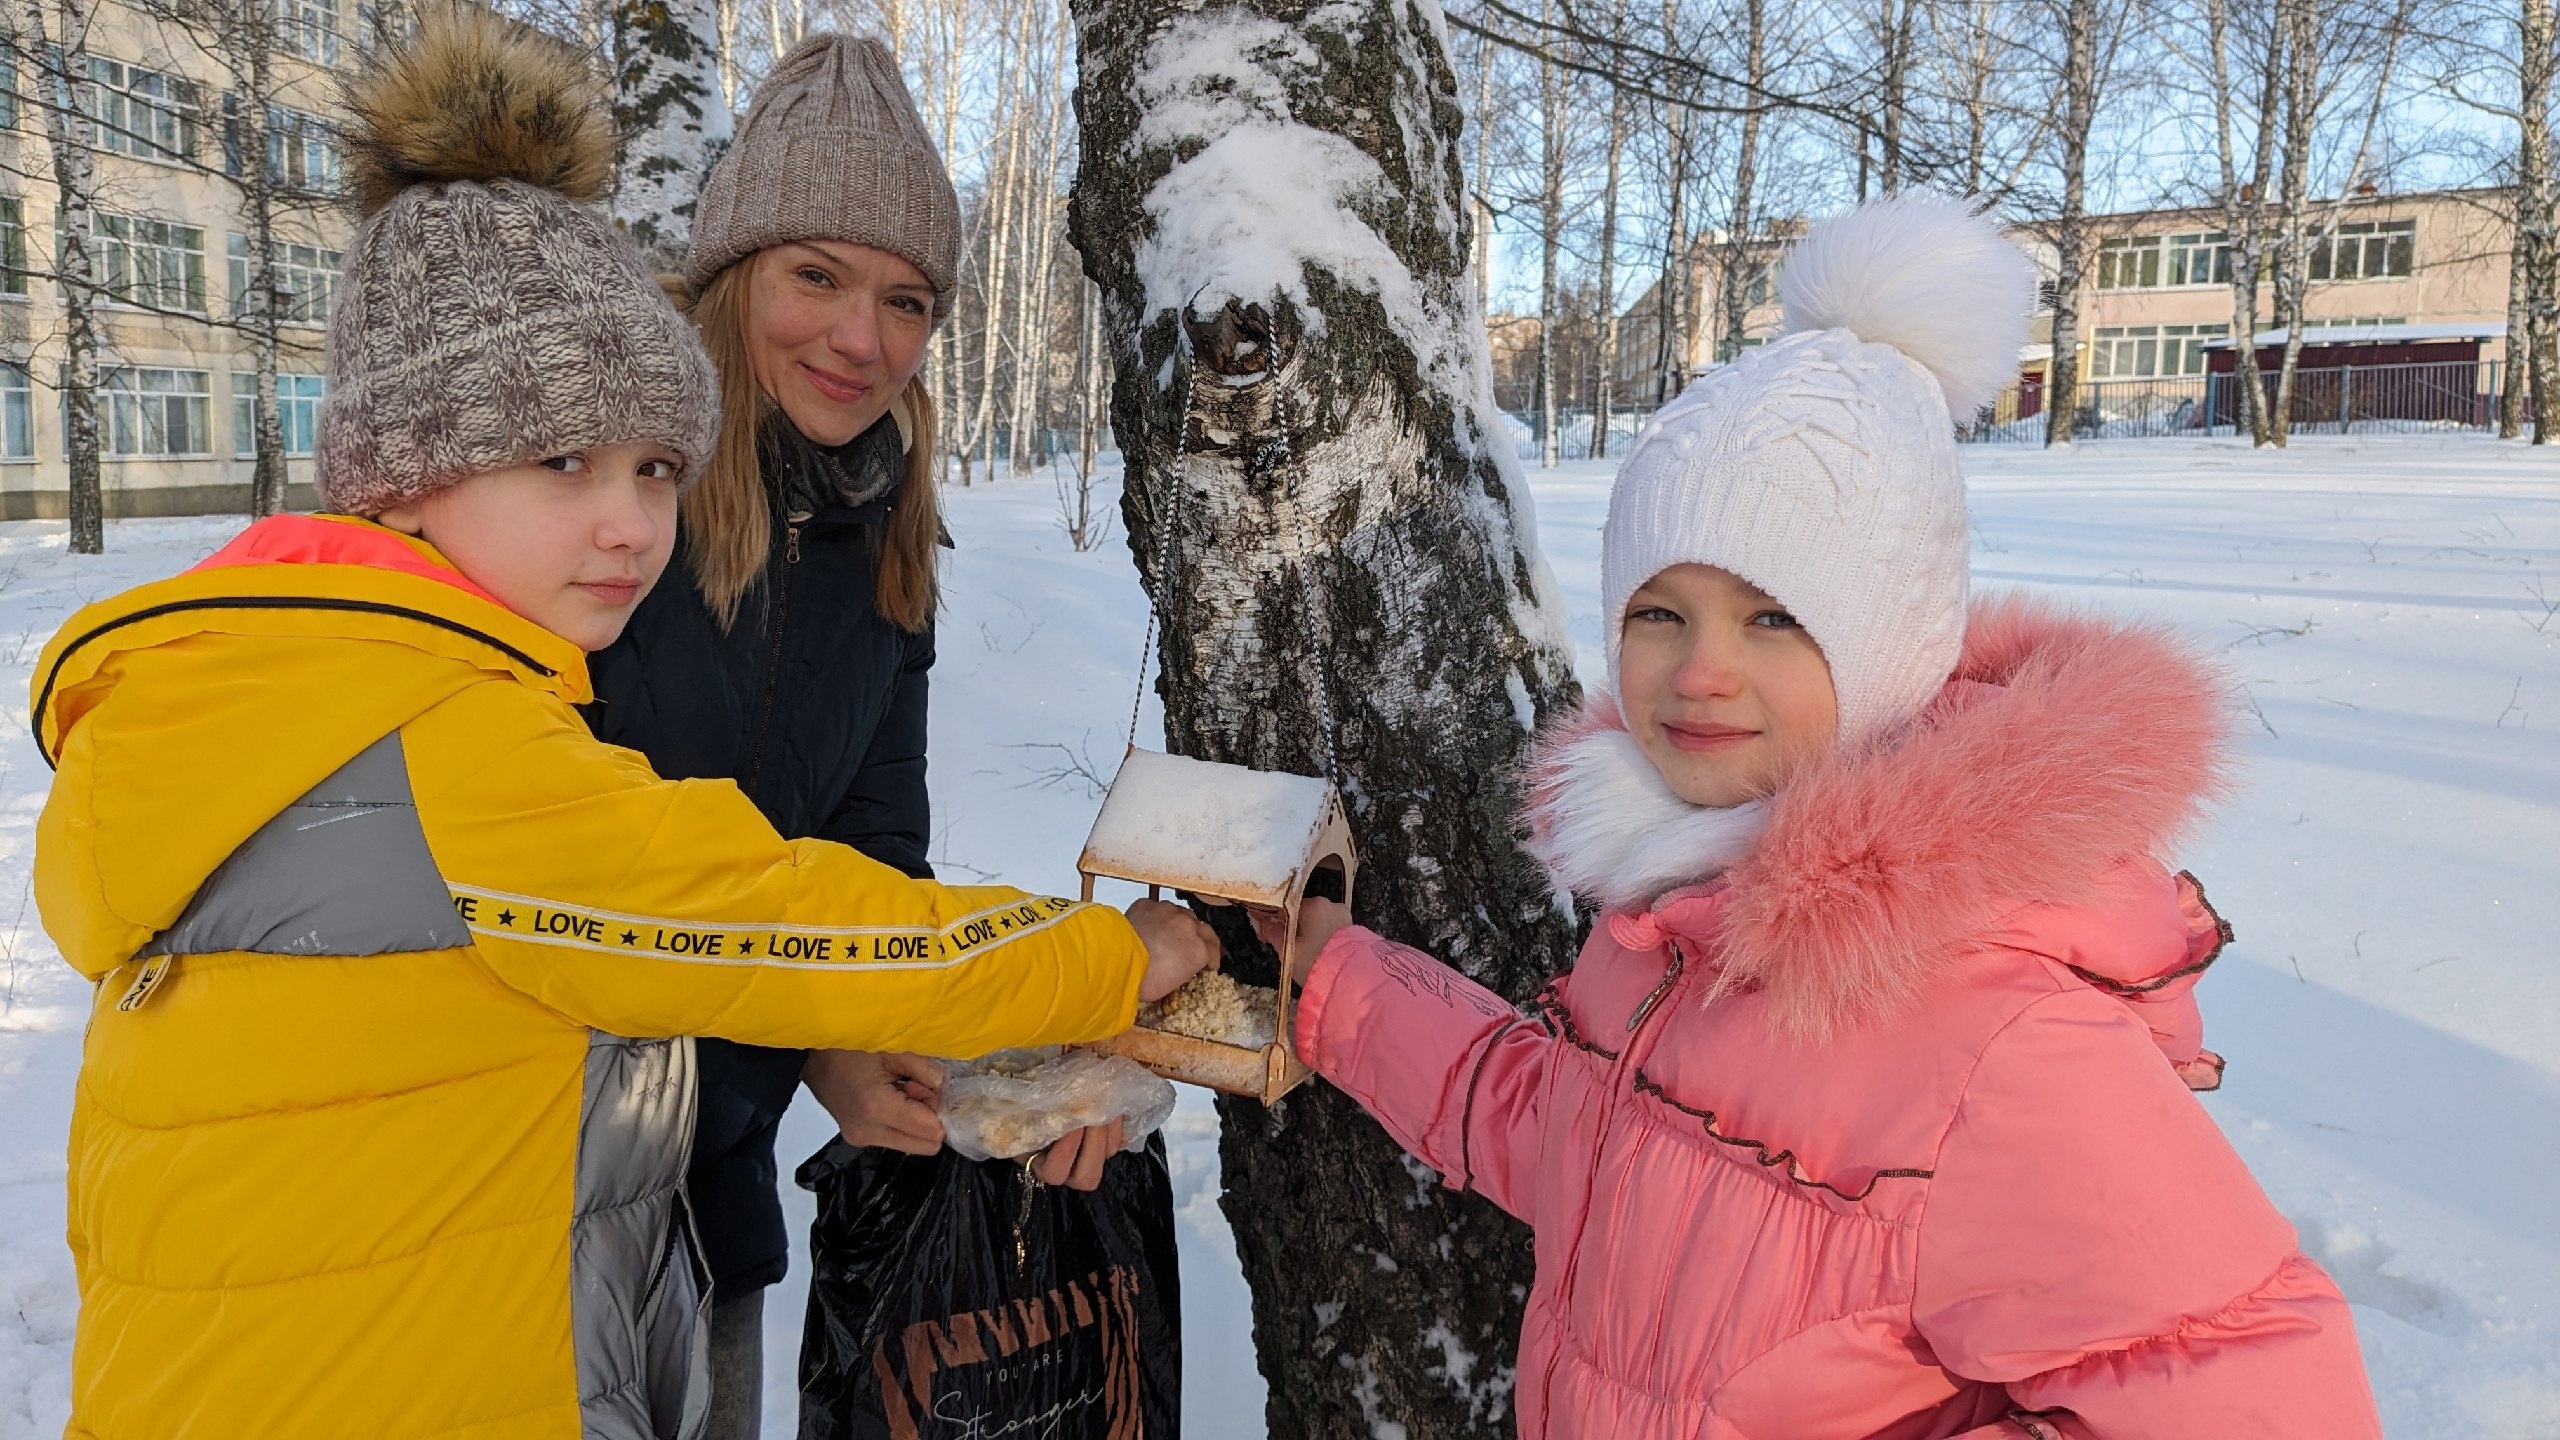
361,1147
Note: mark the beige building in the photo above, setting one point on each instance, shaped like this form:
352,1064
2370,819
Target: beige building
156,107
2401,279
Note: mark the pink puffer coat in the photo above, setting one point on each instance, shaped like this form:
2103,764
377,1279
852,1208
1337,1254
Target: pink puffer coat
1882,1132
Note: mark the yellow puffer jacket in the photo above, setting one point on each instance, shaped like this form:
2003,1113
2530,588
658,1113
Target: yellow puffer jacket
358,1148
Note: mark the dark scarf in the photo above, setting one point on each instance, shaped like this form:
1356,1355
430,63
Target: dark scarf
807,477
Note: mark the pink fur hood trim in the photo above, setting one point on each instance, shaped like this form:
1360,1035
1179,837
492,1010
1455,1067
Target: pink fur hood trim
2065,743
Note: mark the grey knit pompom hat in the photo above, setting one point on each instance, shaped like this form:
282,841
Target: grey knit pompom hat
489,314
832,149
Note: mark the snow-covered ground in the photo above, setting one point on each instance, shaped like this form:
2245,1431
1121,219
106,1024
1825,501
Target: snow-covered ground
2391,1011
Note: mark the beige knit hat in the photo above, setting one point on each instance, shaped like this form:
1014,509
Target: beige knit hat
832,149
489,314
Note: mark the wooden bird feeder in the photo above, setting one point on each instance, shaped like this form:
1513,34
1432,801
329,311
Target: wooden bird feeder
1229,836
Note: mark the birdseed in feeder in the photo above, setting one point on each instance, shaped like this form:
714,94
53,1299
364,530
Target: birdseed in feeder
1212,1006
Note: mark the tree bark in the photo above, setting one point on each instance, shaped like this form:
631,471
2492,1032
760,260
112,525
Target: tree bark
2244,206
2299,19
2071,227
1605,381
2512,385
1732,284
1551,86
250,37
670,115
1335,532
55,44
2537,247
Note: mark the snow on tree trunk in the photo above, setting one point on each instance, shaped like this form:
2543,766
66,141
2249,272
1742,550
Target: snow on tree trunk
668,111
1270,201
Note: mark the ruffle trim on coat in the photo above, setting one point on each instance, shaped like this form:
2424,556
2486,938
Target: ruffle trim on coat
1768,1158
2065,743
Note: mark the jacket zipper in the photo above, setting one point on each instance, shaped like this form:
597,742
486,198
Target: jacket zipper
1670,975
773,651
1616,1081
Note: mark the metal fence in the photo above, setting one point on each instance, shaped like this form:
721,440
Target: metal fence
2341,400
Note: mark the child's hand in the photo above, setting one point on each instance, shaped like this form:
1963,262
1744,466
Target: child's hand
1179,946
1318,922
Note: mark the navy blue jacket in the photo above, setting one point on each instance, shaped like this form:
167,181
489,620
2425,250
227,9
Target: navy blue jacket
815,704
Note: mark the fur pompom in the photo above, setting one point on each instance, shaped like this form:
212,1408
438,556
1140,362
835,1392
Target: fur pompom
473,96
1924,275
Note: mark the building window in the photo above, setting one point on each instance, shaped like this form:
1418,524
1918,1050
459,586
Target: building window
17,413
13,245
303,152
2156,262
2147,352
306,278
297,410
154,414
2371,250
8,86
308,28
133,111
152,263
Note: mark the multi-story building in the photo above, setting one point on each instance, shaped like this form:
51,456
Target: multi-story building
158,110
2395,279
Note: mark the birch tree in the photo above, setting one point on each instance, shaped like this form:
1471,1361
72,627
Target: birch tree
1333,534
2240,196
670,112
53,36
2080,91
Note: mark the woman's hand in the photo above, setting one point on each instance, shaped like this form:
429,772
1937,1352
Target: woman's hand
1179,946
888,1100
1318,922
1076,1160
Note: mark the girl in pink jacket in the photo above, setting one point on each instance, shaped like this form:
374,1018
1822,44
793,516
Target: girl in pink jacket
1865,1110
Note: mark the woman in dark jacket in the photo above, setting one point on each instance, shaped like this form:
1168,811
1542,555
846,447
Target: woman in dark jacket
825,250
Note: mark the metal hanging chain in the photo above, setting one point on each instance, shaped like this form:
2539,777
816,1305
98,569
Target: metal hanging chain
1178,481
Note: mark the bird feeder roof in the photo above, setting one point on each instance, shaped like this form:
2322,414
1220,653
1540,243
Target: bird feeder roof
1210,829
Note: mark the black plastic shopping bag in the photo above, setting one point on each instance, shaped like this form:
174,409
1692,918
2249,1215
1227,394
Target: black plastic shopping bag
954,1299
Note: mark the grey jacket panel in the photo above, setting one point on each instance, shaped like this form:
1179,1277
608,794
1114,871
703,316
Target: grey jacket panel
640,1289
344,870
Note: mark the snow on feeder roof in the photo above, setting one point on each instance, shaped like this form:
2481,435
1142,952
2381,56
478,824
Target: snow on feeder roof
1215,830
1227,835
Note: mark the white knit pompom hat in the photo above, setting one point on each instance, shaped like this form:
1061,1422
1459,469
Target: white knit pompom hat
1822,467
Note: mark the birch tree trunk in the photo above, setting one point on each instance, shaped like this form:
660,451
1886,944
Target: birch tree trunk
2298,19
1550,246
55,43
2244,206
2537,247
250,37
1608,367
2071,227
1732,285
670,115
1339,546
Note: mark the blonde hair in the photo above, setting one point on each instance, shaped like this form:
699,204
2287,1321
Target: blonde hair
728,519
